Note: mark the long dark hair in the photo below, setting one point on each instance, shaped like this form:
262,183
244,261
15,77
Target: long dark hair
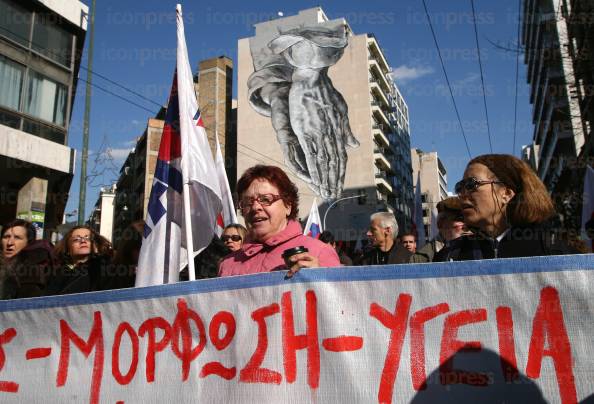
532,203
99,244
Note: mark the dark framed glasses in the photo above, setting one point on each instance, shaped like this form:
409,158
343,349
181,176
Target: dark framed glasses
471,184
227,237
264,200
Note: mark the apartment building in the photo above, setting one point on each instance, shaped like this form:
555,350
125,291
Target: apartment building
41,44
428,168
378,173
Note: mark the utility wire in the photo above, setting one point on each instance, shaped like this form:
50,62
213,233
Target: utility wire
140,96
517,74
94,73
118,96
263,155
447,79
88,71
478,48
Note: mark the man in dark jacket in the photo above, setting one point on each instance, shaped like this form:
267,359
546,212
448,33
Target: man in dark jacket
383,230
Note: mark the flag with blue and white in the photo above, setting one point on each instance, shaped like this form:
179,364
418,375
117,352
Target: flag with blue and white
185,181
313,227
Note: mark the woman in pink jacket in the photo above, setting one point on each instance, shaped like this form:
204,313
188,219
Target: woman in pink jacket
269,203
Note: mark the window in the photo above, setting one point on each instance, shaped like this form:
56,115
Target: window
11,83
15,22
44,131
8,119
51,40
46,99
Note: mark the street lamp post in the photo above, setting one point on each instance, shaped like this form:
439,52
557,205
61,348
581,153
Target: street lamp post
334,203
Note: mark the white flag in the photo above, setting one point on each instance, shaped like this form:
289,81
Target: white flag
185,163
313,227
228,215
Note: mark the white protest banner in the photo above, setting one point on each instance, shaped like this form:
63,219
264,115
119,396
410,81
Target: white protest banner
516,330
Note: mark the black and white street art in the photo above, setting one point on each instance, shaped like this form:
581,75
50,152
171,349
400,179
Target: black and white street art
290,84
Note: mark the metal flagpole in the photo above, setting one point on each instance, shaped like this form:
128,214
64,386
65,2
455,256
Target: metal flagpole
186,190
87,117
189,237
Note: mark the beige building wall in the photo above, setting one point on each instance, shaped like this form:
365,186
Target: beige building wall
433,182
257,142
214,93
154,131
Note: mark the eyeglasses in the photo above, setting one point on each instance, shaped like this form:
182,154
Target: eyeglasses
234,237
264,200
471,184
80,239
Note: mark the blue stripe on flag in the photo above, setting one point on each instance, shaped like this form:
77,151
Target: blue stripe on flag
314,230
169,175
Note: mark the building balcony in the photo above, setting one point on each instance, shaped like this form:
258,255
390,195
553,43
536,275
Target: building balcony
382,184
379,75
377,53
383,150
379,135
383,108
380,116
382,161
378,92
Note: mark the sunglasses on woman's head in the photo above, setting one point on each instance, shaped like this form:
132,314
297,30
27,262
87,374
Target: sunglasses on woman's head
471,184
234,237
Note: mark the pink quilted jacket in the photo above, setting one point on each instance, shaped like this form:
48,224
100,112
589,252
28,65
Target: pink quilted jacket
267,256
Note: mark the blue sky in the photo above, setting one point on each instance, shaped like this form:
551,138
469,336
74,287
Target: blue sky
135,45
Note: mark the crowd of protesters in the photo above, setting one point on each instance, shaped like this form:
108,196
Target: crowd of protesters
501,210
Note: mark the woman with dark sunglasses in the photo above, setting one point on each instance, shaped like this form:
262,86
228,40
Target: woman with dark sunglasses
509,210
269,203
234,236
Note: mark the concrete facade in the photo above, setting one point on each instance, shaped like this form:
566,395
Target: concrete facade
557,35
37,89
379,168
434,184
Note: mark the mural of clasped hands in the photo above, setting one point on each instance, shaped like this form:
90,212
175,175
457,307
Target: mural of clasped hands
309,115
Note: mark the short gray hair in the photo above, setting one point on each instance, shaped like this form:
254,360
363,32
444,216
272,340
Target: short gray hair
386,219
